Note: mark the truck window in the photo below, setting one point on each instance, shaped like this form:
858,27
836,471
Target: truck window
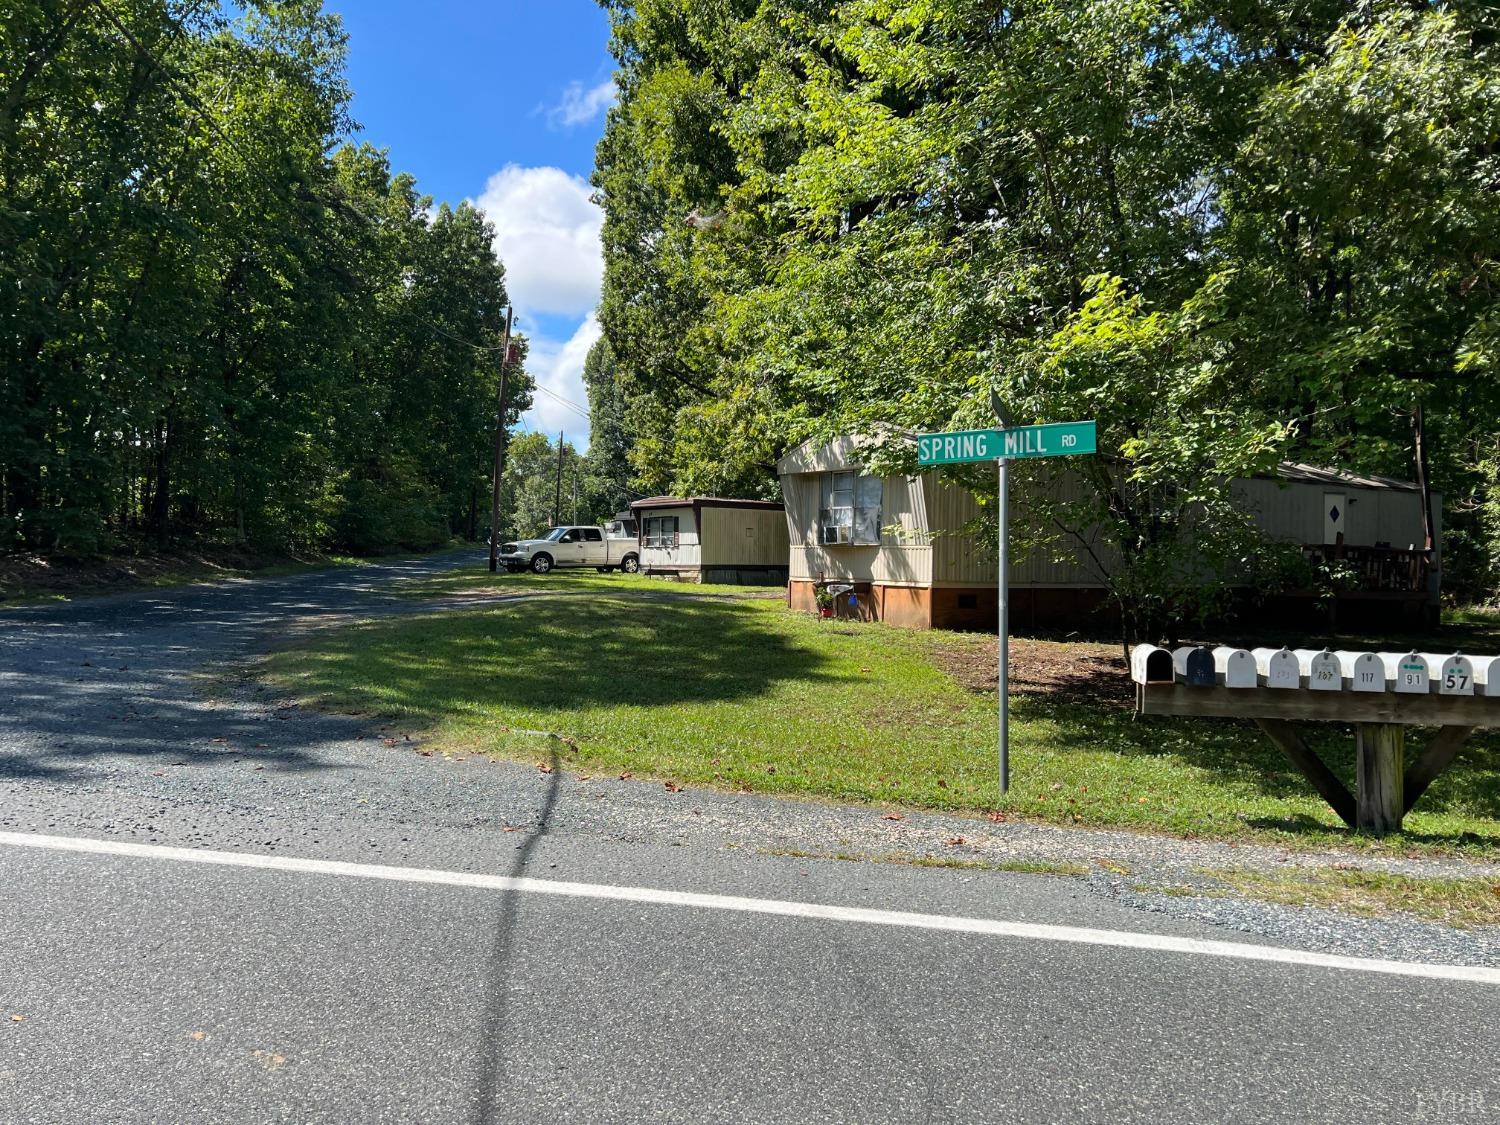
593,535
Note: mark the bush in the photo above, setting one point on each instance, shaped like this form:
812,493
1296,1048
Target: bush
389,516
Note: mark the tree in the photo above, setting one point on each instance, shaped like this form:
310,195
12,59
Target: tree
606,479
1360,256
823,216
530,489
213,329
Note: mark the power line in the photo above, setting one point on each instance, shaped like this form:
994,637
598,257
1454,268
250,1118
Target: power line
569,403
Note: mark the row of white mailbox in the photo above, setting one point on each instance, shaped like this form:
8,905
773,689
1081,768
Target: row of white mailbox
1416,673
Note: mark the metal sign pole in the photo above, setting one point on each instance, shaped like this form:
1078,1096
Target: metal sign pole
1050,439
1003,662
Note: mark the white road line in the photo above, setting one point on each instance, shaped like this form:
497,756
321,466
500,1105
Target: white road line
1026,931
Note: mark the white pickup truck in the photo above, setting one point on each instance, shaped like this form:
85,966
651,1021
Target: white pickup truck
590,545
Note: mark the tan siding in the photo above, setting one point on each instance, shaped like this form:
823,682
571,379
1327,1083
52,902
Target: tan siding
1293,512
961,560
899,566
921,540
801,497
903,512
744,537
904,556
956,557
812,457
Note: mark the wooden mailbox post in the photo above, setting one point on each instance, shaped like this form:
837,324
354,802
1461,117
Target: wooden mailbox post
1381,694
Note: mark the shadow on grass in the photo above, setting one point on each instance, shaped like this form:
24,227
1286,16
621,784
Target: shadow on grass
1240,759
544,655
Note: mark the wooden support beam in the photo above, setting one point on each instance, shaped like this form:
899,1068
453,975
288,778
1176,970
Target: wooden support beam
1301,755
1318,706
1379,749
1438,756
1386,789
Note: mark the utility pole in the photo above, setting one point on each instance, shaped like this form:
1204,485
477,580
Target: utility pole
500,444
557,495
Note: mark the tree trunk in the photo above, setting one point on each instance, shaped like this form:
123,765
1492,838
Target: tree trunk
1429,518
161,496
1419,449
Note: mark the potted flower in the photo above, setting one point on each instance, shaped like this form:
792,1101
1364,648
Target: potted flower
825,602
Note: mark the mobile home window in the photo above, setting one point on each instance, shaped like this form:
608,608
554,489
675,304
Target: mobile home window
660,531
850,511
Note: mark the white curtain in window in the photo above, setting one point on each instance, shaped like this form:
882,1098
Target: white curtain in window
868,496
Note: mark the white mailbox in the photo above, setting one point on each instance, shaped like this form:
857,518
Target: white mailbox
1454,674
1150,665
1365,671
1278,667
1235,667
1322,669
1486,674
1408,672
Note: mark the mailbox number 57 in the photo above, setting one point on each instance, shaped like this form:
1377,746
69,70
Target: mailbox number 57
1456,681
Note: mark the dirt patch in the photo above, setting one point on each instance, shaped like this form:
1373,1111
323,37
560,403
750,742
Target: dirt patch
1067,671
26,575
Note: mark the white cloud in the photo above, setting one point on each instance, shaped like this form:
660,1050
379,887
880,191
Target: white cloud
579,106
558,368
547,230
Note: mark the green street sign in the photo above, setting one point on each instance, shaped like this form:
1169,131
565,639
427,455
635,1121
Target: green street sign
1055,439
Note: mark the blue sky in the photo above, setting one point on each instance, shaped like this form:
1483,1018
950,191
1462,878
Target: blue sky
501,102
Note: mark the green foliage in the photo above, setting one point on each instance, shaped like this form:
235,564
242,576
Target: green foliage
379,515
605,485
531,493
1231,233
212,328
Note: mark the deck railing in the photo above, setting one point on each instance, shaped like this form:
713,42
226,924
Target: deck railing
1397,570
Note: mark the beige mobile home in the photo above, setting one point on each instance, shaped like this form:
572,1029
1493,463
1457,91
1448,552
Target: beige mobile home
899,541
713,539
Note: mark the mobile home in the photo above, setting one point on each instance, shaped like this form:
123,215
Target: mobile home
713,539
899,541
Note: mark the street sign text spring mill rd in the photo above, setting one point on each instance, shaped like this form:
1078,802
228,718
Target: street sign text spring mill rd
1055,439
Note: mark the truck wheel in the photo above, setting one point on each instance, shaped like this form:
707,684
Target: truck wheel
630,564
541,564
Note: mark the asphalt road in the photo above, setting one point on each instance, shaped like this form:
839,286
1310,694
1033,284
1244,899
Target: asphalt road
150,988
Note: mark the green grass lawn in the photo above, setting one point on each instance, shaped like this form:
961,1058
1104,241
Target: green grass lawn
479,581
740,693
